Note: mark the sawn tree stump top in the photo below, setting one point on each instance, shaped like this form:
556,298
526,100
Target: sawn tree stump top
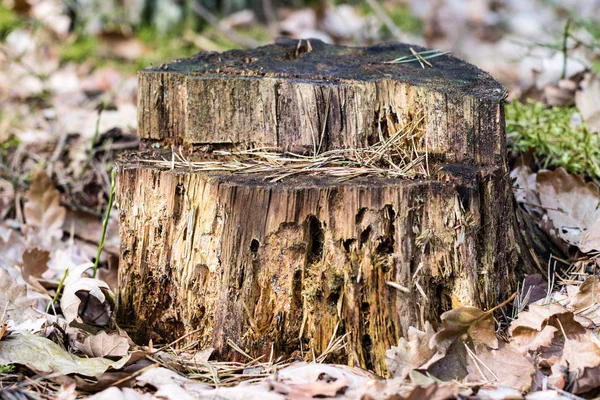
317,61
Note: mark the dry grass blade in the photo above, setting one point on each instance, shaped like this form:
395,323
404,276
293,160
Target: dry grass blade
421,57
397,156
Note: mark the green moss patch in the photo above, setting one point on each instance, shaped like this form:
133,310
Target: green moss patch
554,137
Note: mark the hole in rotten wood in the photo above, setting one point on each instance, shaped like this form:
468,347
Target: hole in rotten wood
254,245
364,307
316,237
367,344
386,241
364,236
333,298
347,243
360,215
464,196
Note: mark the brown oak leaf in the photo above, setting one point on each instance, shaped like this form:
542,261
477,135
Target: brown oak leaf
410,353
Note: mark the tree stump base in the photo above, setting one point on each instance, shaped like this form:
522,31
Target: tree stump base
290,267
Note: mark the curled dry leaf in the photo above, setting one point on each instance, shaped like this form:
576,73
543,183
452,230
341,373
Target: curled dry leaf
584,299
70,301
410,353
43,211
572,206
577,355
527,340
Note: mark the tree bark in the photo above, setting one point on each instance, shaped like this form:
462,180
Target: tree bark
289,267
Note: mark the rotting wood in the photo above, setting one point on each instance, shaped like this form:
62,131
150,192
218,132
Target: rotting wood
289,266
278,95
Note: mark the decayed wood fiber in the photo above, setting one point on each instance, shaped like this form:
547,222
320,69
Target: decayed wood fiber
283,265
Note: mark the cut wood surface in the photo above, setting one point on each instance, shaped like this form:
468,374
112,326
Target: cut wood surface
308,263
288,94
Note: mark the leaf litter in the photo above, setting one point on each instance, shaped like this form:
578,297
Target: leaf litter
549,347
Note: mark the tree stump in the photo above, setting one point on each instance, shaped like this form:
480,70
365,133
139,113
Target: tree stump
292,265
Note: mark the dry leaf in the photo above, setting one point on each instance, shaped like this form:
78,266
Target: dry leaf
587,101
446,367
45,356
430,392
535,287
70,301
35,263
171,385
503,367
575,356
88,227
561,94
13,298
536,317
477,324
527,340
114,393
588,294
103,344
319,388
43,210
572,206
119,46
410,354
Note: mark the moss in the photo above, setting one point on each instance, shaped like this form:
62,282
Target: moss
554,137
4,369
9,21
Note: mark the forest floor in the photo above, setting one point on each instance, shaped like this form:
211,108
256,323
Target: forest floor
68,109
